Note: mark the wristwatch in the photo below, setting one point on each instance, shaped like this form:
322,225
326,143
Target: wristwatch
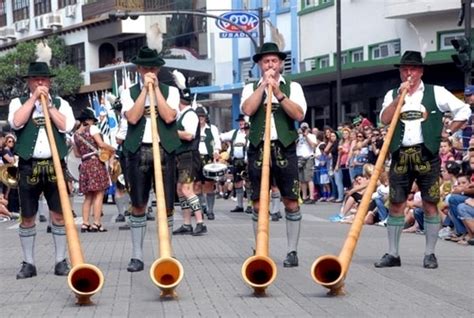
281,98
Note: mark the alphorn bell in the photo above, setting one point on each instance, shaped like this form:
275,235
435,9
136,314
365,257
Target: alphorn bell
329,270
165,272
259,271
84,279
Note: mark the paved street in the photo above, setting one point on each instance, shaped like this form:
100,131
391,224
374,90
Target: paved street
213,287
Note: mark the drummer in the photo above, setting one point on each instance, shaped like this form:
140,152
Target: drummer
238,140
188,165
209,149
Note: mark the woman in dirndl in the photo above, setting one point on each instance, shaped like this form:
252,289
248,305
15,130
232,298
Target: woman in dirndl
94,178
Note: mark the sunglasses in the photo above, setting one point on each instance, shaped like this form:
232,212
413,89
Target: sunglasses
360,136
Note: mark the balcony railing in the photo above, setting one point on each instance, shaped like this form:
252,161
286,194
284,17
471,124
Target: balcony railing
94,8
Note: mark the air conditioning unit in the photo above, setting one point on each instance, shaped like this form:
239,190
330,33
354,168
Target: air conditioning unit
42,23
70,11
10,33
3,34
22,26
55,20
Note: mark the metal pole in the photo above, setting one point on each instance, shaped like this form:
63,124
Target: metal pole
338,58
467,33
260,27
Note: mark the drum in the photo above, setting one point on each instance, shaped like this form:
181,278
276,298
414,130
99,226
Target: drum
73,164
214,171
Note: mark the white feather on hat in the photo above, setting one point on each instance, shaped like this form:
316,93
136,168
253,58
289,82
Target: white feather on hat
154,37
179,79
43,52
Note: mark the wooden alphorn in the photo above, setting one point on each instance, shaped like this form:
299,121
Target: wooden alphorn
259,271
165,272
330,271
84,279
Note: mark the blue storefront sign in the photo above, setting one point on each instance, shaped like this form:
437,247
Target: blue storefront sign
247,21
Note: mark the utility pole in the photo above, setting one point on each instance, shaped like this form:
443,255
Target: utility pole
467,34
260,27
338,61
463,45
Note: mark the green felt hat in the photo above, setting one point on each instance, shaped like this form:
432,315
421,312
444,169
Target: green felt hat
411,58
38,69
147,57
268,48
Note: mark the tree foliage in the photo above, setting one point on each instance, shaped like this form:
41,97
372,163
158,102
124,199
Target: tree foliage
14,65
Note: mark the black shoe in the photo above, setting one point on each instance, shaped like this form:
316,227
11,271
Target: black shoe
48,229
126,213
183,229
135,265
210,216
27,270
309,201
42,218
388,261
74,215
249,210
279,215
275,217
61,268
237,209
150,217
120,218
204,209
291,260
226,195
200,229
430,261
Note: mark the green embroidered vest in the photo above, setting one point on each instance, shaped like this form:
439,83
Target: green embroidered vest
191,144
431,127
169,139
26,136
208,140
285,126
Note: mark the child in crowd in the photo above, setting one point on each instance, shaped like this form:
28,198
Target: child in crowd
324,181
380,199
445,151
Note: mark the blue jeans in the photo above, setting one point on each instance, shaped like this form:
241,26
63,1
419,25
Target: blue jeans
339,184
419,217
454,200
382,211
333,186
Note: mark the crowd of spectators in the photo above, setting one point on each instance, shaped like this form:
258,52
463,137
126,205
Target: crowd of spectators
344,159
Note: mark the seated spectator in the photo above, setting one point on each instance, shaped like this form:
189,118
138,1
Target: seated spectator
380,199
446,151
352,200
460,193
414,201
466,214
3,208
